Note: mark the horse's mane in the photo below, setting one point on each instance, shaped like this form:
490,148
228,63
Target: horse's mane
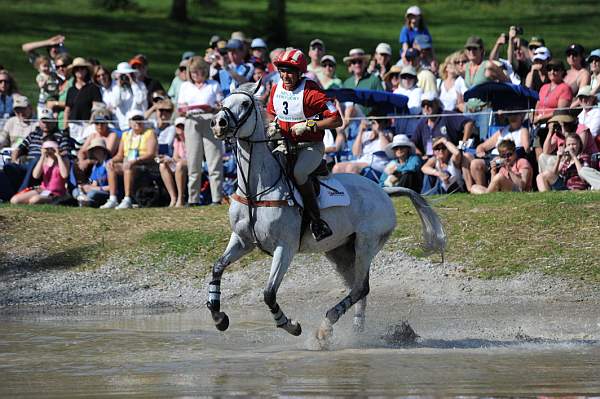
250,88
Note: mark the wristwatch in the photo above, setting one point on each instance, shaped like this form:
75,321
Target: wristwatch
312,124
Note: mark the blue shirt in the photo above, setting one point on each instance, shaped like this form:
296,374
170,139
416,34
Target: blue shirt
6,106
407,35
99,174
228,83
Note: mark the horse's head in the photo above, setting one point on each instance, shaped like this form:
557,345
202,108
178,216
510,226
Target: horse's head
238,108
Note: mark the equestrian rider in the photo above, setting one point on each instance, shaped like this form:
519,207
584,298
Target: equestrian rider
300,111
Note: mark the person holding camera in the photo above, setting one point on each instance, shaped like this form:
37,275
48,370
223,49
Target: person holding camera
517,61
127,94
444,168
508,171
565,172
54,45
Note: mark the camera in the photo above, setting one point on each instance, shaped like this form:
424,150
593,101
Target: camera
595,157
519,30
498,162
124,80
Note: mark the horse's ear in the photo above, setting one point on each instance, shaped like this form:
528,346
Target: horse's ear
257,85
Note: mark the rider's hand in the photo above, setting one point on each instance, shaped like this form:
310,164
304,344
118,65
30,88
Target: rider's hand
273,129
301,128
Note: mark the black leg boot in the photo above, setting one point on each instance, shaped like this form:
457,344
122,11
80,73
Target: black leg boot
318,227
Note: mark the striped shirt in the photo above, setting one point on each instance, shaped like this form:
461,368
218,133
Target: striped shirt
32,144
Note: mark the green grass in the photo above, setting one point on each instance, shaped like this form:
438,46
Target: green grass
492,235
342,24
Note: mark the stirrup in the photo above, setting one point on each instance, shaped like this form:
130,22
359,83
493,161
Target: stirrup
320,230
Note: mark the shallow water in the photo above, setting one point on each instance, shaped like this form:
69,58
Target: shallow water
182,355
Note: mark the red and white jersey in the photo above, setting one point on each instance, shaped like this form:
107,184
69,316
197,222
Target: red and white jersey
306,101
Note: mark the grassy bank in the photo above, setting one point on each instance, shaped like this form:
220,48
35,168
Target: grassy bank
493,235
114,37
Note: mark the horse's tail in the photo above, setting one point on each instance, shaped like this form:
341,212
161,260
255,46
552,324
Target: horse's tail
433,230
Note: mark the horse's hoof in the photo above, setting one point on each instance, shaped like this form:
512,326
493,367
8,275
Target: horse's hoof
324,334
221,321
297,329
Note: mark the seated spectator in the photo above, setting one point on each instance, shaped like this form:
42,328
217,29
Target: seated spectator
368,148
8,88
260,73
19,126
577,76
426,80
103,80
404,169
589,119
138,147
95,191
452,85
80,97
391,80
381,61
565,172
408,87
444,168
357,62
538,75
47,81
329,79
102,130
515,132
556,94
174,170
509,173
316,50
414,24
53,170
594,61
140,64
127,94
534,43
165,130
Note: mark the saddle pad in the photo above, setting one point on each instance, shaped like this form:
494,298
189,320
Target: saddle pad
333,193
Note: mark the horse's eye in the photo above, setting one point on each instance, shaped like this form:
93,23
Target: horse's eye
246,104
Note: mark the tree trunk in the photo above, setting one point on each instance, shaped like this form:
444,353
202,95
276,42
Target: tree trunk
179,10
276,24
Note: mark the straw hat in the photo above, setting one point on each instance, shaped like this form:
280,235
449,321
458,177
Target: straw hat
394,69
80,62
357,54
98,143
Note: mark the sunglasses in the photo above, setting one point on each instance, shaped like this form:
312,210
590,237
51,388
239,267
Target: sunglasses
439,148
407,76
4,81
328,65
472,48
554,69
426,104
287,69
354,62
533,48
394,75
460,62
101,75
507,154
182,69
571,54
60,66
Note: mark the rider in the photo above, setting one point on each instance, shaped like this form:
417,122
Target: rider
299,110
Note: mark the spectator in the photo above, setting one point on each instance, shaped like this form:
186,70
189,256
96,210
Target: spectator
538,75
444,168
100,119
80,97
174,170
47,81
62,63
534,43
259,51
8,88
103,80
357,62
565,173
509,173
556,94
140,64
414,24
19,126
515,132
233,74
180,75
594,61
128,93
478,70
427,59
425,78
316,50
330,80
559,126
54,45
391,80
408,87
138,148
381,61
164,129
199,98
577,76
404,169
95,191
589,117
53,171
452,85
517,54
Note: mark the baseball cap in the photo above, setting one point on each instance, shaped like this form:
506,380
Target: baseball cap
329,58
542,54
235,44
428,96
139,59
136,115
20,101
576,49
46,114
424,41
474,41
180,121
537,41
413,10
412,53
317,42
100,116
258,43
213,40
408,70
187,55
594,54
585,91
384,48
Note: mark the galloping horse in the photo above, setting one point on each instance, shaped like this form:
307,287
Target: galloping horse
263,215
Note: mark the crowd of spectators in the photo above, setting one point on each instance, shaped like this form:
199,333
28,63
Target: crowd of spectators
97,133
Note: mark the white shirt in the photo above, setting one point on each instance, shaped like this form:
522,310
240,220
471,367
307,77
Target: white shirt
122,100
449,97
591,119
190,95
407,126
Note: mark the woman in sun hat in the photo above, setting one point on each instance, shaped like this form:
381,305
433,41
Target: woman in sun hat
414,24
404,168
80,96
128,93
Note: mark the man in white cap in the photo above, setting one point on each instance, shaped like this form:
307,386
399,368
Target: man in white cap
538,75
380,64
126,94
19,126
316,50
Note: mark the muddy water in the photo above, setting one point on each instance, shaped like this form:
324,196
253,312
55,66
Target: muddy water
182,355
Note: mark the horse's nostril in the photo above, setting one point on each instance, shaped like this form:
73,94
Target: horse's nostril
213,123
222,122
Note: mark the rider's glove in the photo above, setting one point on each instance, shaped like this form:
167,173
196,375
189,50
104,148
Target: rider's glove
302,128
273,129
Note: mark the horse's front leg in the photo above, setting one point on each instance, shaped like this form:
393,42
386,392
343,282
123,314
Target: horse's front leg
282,257
234,251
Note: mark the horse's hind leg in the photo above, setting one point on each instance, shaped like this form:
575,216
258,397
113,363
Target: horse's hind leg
282,257
235,250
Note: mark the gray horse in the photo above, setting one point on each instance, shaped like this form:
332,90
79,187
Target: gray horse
262,216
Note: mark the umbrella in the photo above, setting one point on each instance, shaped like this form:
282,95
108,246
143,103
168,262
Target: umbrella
385,102
503,96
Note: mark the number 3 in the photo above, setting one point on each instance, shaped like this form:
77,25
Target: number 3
285,107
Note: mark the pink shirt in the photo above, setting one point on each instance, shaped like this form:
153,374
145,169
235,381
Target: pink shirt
52,180
517,169
549,98
179,149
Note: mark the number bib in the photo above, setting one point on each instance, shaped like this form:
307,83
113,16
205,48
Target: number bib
289,105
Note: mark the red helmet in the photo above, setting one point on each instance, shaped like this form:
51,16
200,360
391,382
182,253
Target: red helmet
293,58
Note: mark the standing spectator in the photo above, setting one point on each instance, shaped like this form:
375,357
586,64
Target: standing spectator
538,75
47,81
517,54
577,76
8,87
174,170
330,80
103,80
80,97
140,64
445,169
565,173
452,85
62,63
404,169
19,126
259,51
381,61
180,76
414,25
408,87
534,43
427,59
52,170
316,50
54,46
357,62
425,78
594,61
199,98
128,93
478,70
138,147
236,72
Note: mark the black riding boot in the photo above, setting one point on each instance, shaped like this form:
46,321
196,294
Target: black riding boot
318,227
